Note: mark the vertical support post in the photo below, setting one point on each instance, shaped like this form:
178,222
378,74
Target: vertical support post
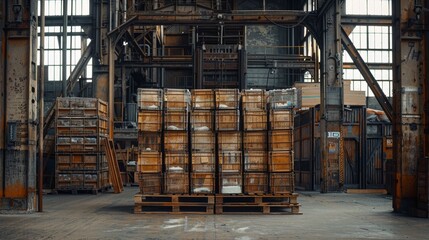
331,96
2,96
102,48
64,48
20,56
409,136
41,105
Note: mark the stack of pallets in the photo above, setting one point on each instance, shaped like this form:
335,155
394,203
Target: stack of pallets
81,125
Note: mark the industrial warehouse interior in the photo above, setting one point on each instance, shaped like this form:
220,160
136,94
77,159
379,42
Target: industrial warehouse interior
214,119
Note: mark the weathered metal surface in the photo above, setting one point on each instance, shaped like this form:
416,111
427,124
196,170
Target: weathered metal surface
20,107
411,190
2,97
332,177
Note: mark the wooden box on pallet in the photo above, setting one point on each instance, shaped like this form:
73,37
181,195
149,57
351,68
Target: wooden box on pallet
281,161
202,120
203,161
149,99
229,141
176,162
254,99
227,98
227,120
176,99
203,141
81,107
282,183
202,183
175,141
255,183
149,141
255,161
203,98
230,183
176,120
82,126
255,141
230,161
81,162
254,120
150,121
78,144
176,183
282,98
81,180
281,119
149,162
150,183
281,140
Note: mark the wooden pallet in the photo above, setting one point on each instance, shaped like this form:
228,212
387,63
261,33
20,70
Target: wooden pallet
258,209
263,199
174,203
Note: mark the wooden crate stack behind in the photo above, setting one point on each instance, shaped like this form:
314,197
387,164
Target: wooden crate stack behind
229,141
176,141
81,163
203,140
255,126
150,124
280,143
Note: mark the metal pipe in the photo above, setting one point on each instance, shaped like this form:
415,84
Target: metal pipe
65,18
41,104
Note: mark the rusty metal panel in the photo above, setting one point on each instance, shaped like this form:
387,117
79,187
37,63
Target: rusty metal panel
2,94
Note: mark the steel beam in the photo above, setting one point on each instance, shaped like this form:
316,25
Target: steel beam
19,176
80,67
367,75
367,20
410,149
331,99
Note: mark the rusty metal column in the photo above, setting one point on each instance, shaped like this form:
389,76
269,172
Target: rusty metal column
411,188
20,106
2,96
331,99
102,48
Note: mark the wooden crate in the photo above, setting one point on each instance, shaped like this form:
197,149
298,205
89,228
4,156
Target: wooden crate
202,183
255,183
227,120
227,98
281,119
149,162
82,126
282,98
282,183
255,161
150,183
176,162
255,141
175,141
202,120
150,99
80,162
203,98
176,99
150,121
229,141
149,141
230,161
176,183
281,140
203,141
230,183
176,120
203,161
254,120
78,144
81,107
81,180
281,161
254,99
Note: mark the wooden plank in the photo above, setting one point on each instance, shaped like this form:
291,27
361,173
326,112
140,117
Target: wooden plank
114,172
267,209
367,191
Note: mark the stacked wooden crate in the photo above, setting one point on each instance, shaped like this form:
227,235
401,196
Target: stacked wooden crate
229,141
149,163
280,142
255,141
176,141
203,142
81,164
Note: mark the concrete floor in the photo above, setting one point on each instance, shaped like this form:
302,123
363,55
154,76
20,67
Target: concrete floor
109,216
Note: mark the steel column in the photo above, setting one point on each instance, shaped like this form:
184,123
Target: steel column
331,92
20,46
41,106
102,48
409,137
2,95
